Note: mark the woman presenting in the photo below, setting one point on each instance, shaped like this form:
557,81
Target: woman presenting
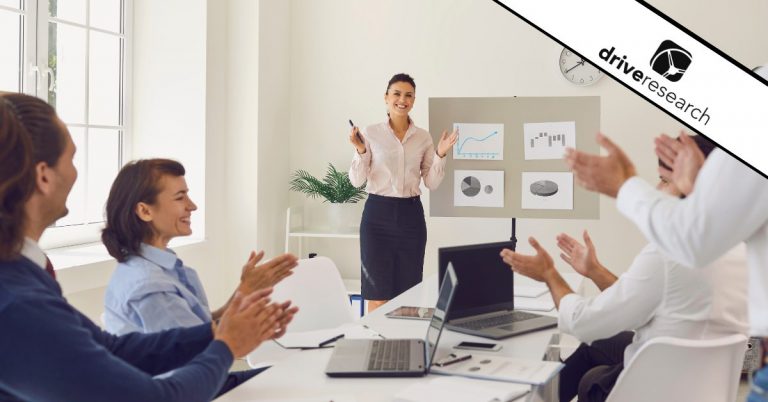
394,156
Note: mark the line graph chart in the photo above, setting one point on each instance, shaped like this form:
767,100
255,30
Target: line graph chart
479,141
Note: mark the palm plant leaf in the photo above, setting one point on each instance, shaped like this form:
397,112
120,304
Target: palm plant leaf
335,186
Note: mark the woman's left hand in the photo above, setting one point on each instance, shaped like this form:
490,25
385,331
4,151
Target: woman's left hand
446,142
268,274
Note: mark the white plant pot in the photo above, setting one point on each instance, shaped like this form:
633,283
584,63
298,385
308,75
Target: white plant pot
342,217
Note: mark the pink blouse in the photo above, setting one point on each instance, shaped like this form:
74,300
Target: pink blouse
395,169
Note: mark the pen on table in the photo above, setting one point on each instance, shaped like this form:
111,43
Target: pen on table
455,359
329,341
377,334
359,137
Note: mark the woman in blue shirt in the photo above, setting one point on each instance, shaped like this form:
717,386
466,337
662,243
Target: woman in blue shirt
151,288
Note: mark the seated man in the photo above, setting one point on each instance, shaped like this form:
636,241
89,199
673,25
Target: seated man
654,297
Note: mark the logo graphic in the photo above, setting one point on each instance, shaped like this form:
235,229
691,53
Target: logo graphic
671,60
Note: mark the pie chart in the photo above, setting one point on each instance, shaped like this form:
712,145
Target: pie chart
544,188
470,186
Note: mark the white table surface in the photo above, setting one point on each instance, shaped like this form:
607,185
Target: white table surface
299,374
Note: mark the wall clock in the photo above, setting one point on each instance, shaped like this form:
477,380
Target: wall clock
578,70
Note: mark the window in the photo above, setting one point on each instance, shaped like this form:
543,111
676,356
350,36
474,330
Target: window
12,18
72,53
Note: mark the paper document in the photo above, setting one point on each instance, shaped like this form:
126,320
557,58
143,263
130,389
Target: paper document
460,389
526,371
530,290
325,337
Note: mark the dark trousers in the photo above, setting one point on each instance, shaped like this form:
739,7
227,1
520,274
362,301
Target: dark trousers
591,371
236,378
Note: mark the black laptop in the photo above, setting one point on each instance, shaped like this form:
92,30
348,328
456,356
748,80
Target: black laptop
485,304
394,357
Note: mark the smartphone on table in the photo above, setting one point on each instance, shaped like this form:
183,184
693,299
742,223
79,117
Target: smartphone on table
491,347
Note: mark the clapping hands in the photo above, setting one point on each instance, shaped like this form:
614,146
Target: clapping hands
252,319
604,174
265,275
582,257
684,156
536,267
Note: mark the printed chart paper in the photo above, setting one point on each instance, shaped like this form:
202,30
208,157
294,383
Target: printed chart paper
479,141
548,140
547,190
478,188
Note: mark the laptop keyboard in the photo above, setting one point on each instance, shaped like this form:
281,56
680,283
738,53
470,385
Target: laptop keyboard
390,354
498,320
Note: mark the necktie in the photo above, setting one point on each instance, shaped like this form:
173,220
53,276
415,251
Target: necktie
49,268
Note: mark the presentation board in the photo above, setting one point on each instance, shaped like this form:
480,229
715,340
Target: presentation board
508,160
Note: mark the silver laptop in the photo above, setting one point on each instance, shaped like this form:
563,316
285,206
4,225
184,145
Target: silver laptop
394,357
485,304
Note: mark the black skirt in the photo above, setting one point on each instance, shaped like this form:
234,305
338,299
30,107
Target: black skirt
393,236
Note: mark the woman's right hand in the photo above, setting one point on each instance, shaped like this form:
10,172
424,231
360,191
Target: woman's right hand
355,140
249,321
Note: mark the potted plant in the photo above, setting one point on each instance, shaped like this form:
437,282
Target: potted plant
334,188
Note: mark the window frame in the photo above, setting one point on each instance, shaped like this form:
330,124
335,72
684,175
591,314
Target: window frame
36,71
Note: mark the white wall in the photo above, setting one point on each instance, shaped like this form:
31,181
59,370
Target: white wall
344,51
274,147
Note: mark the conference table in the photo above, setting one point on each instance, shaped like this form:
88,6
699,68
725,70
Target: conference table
299,375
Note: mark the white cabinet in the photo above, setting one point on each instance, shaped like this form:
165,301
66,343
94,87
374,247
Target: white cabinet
296,229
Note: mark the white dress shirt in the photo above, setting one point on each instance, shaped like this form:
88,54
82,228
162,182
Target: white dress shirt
659,297
32,251
729,205
395,169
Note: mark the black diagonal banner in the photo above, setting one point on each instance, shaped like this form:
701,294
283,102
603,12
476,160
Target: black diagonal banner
664,63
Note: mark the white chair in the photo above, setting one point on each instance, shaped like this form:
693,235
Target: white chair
317,289
668,369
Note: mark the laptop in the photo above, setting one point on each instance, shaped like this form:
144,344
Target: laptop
485,304
394,357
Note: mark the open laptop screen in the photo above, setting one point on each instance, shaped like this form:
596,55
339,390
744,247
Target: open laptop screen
486,281
437,322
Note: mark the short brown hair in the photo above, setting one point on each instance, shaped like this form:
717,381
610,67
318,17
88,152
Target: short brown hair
29,134
138,181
